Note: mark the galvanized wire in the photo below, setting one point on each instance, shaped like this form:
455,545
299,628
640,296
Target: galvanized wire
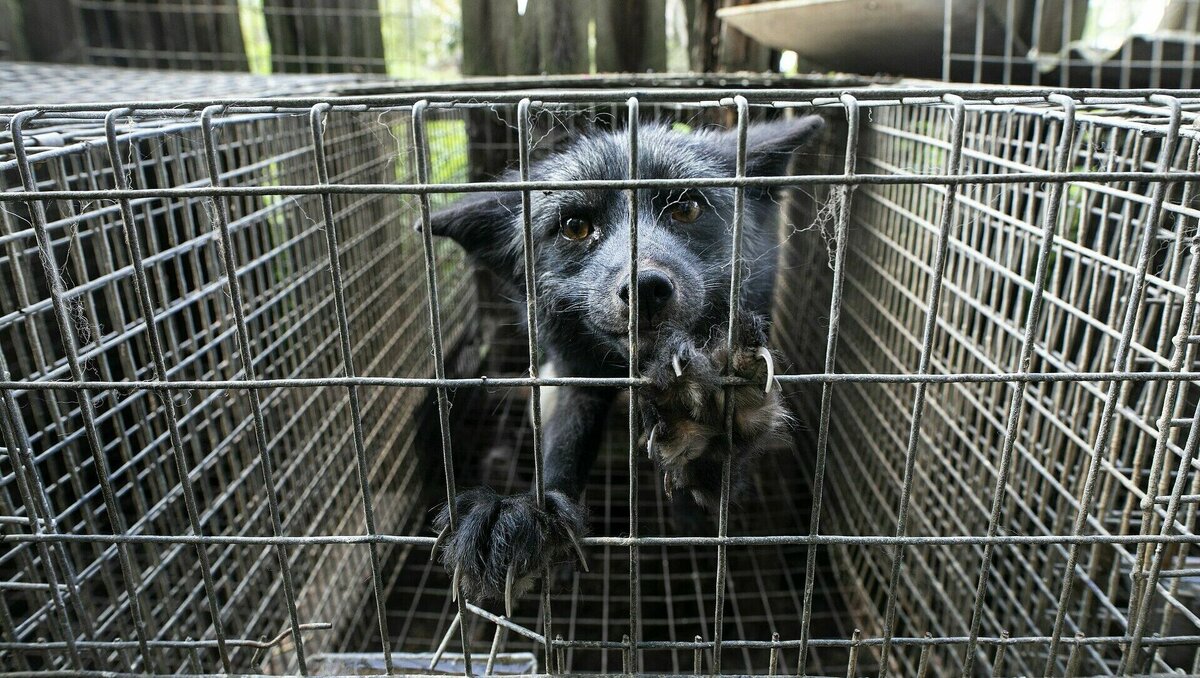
835,308
633,121
1002,138
360,452
221,217
327,37
67,335
1054,202
1110,401
420,143
146,306
736,274
946,221
535,392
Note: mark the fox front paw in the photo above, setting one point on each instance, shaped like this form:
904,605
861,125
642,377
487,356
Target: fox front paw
501,544
758,410
684,414
679,416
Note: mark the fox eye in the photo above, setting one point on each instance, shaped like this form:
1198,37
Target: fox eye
686,211
575,228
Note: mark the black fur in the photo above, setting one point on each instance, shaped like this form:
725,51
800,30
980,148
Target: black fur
582,323
495,532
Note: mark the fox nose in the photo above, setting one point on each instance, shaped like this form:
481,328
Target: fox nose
654,291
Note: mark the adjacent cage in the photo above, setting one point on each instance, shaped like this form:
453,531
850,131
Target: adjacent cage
986,300
1072,43
274,36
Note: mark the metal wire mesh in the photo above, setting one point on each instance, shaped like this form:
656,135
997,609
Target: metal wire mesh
677,596
192,36
987,296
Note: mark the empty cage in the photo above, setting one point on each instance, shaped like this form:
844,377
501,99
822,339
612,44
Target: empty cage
986,300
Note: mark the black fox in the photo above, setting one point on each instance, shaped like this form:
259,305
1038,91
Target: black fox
581,255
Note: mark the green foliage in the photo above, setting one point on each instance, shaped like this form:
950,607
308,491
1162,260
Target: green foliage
282,265
447,150
254,35
421,38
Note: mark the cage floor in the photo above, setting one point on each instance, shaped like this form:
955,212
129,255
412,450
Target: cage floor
766,584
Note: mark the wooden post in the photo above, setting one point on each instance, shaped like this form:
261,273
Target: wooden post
562,28
12,39
551,37
631,36
206,38
738,52
50,32
496,41
325,36
703,34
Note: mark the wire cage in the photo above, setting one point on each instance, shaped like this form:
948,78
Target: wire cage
1072,43
986,298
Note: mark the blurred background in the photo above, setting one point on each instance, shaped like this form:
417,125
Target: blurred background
1102,42
426,39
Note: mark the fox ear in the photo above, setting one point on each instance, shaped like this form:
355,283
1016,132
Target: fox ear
484,224
770,145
